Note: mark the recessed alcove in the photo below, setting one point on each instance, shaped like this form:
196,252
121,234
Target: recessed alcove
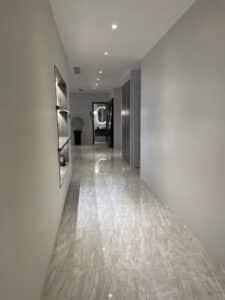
63,121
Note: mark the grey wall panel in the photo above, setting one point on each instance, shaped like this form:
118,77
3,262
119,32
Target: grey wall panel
117,95
135,99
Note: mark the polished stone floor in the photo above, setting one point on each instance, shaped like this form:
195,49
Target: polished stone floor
117,241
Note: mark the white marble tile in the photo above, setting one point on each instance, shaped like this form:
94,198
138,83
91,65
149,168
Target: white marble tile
117,241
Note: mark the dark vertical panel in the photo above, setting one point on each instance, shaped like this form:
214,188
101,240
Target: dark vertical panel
110,124
126,121
135,99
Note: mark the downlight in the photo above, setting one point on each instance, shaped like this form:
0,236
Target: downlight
114,26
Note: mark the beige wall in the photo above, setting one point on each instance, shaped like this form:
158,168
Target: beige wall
30,199
183,122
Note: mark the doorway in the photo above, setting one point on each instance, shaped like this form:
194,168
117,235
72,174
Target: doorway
126,121
102,122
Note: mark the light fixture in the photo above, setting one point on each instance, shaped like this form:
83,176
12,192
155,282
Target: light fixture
98,79
97,84
106,53
100,72
125,113
114,26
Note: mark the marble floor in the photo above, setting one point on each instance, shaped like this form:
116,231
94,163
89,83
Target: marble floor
117,241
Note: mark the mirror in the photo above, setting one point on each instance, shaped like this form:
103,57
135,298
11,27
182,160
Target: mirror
101,114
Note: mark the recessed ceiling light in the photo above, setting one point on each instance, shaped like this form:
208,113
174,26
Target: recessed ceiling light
106,53
114,26
98,79
100,72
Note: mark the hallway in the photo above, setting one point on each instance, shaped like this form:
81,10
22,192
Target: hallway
116,240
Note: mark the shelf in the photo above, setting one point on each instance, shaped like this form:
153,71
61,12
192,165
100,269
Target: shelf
62,86
63,141
62,109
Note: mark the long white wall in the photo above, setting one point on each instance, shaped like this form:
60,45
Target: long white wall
31,201
183,122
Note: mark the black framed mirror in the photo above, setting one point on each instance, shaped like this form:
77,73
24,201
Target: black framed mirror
102,114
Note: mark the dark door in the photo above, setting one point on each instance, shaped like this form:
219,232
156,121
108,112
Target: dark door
126,121
110,124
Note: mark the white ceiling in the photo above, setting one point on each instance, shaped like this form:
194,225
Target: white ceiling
85,30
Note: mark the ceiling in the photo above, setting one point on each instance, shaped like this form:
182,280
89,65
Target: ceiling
86,33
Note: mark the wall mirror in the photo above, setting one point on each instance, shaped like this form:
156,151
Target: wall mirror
101,114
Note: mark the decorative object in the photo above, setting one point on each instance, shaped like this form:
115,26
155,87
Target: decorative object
62,160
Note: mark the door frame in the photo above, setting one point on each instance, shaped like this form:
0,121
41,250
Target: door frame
92,115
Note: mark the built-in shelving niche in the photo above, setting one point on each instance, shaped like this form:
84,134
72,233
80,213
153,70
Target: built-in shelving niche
63,121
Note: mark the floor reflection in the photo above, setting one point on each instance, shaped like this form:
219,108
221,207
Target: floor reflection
117,241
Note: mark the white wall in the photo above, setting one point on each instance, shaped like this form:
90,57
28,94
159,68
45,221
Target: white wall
183,122
81,106
30,199
117,95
